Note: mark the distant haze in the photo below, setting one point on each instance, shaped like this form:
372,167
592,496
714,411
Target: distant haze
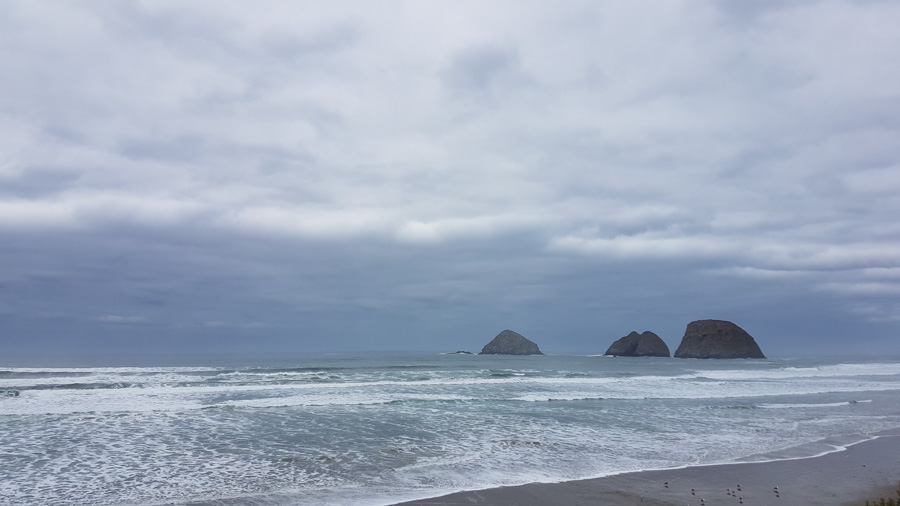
307,176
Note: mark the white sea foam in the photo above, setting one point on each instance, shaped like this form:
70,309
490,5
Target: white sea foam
161,393
828,371
105,370
813,405
331,400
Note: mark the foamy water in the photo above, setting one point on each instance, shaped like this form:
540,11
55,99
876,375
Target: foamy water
376,429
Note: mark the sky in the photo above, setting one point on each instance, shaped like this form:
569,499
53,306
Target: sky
295,176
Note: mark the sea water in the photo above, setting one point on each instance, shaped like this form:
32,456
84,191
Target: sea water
375,429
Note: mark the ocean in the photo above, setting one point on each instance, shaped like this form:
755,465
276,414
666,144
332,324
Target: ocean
374,429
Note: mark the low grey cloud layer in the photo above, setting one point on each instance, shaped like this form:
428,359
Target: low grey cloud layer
291,175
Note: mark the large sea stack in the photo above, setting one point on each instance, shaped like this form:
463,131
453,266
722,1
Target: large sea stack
717,339
510,343
647,344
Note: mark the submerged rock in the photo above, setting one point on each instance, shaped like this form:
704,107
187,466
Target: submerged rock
510,343
647,344
461,352
10,393
717,339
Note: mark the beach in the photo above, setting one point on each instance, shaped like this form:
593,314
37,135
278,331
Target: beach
864,471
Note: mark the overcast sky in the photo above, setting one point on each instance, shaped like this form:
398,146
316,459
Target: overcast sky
236,176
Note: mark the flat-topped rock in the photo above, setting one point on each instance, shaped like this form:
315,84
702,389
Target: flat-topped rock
647,344
510,343
717,339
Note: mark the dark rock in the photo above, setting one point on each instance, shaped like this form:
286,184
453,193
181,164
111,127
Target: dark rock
11,393
647,344
510,343
461,353
717,339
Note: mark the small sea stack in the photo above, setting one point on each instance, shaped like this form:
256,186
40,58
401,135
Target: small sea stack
647,344
510,343
717,339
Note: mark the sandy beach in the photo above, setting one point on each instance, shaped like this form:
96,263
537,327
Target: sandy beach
867,470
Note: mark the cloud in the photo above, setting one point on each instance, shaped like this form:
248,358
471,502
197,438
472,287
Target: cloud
120,319
82,210
477,69
480,227
309,223
28,213
376,166
233,325
862,288
763,274
879,313
642,246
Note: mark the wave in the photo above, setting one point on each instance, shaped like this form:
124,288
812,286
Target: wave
813,405
356,400
197,375
182,388
82,386
566,398
94,370
299,370
827,371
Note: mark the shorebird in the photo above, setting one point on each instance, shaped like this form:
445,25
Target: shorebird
692,492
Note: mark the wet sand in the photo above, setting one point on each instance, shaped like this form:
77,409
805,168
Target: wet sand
865,471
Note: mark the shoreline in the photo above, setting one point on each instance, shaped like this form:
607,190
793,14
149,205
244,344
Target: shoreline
866,470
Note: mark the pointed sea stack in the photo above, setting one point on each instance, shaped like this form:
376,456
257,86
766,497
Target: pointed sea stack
510,343
647,344
717,339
